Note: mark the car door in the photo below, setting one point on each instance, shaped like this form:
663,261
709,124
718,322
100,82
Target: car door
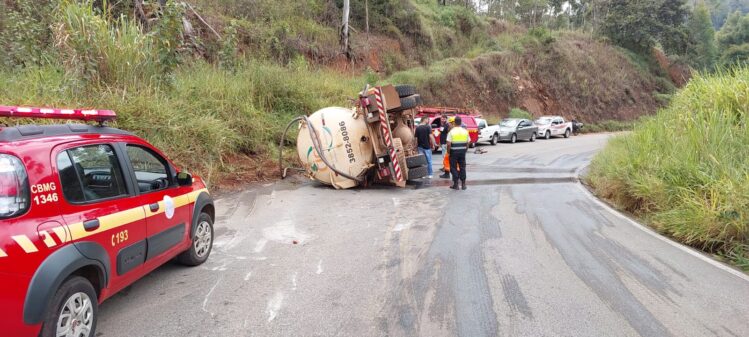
523,130
167,205
105,218
557,127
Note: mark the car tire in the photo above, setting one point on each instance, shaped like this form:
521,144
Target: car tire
405,90
471,145
547,136
533,137
567,133
417,172
416,161
75,292
201,242
514,138
495,139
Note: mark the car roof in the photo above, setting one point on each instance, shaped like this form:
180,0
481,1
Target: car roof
32,131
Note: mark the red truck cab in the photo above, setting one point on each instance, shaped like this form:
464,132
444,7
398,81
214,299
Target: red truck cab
86,211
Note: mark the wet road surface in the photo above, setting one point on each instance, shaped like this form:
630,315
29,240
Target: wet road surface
526,251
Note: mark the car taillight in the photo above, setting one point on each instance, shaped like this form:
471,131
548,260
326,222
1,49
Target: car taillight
14,187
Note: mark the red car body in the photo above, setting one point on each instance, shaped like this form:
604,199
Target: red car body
112,241
469,122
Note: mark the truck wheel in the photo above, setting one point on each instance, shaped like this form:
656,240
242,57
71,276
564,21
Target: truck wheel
201,243
547,135
417,172
409,102
416,161
494,140
405,90
567,133
73,311
514,138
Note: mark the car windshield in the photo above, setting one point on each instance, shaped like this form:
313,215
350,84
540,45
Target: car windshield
509,122
543,121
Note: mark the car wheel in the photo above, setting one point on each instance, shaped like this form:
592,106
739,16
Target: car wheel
548,134
533,137
494,140
514,138
201,244
471,145
567,133
73,311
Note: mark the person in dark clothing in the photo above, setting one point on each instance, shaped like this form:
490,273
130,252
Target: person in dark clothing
457,147
443,144
425,140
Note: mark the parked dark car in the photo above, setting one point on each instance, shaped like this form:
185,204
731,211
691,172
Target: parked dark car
514,129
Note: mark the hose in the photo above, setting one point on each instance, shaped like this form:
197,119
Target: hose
316,144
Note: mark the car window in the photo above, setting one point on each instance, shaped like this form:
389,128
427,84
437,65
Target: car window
151,170
509,123
90,173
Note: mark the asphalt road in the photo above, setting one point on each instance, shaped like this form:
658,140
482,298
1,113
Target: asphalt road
526,251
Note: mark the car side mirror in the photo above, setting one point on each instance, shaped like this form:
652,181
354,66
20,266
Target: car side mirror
184,179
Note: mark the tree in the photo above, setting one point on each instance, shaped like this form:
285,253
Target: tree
702,47
345,29
640,25
735,31
733,40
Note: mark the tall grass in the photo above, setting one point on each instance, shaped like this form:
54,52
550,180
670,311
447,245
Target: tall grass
206,115
686,170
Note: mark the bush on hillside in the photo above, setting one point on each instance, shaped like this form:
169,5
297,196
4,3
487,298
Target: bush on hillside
520,113
685,170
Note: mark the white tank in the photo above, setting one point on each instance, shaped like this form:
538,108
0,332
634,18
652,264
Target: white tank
345,141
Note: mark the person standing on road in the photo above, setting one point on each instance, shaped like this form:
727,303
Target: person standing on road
425,140
457,147
443,145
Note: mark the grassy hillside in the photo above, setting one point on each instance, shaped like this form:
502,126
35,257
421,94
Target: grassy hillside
216,101
685,170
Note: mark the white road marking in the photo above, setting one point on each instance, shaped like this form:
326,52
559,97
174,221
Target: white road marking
207,296
648,230
401,226
247,276
319,268
260,245
274,305
293,281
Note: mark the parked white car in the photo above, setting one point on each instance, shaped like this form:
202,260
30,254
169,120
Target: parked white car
550,126
488,133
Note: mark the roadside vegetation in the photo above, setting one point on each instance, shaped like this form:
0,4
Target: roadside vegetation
213,83
684,171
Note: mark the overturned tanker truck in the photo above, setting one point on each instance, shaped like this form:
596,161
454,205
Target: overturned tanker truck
370,143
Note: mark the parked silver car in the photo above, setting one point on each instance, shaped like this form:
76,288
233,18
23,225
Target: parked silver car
514,129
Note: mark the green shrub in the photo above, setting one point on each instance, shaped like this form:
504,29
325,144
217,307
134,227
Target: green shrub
520,113
685,170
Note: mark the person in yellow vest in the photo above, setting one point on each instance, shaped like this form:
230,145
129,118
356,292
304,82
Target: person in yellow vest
457,147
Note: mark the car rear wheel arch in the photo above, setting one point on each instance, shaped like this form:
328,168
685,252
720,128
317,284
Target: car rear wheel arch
59,266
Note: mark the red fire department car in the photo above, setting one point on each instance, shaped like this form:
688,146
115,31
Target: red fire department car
434,114
85,211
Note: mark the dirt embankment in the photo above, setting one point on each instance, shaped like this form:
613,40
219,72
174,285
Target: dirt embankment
573,76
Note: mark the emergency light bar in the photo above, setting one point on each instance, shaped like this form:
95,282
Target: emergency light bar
100,116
